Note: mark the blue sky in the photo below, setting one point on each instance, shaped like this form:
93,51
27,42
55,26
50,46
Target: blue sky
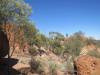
67,16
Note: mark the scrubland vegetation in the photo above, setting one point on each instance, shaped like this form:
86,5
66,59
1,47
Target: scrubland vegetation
14,18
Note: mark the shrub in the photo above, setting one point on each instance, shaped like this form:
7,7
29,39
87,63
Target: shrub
36,66
52,68
94,53
32,51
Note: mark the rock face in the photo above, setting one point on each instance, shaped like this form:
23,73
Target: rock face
15,38
87,65
4,44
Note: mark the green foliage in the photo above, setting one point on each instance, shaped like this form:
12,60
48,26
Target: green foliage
36,66
94,53
73,47
56,35
55,42
78,35
90,41
69,64
97,42
56,46
58,50
30,32
32,51
40,40
15,11
53,68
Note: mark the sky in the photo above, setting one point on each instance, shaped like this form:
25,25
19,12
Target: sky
67,16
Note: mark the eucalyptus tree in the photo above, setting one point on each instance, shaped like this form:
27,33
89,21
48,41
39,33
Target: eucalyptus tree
14,11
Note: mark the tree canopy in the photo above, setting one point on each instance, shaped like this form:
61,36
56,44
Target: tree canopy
14,11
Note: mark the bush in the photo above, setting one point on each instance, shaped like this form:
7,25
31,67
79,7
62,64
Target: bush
32,51
94,53
52,68
36,66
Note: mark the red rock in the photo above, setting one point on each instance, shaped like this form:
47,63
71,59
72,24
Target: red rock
87,65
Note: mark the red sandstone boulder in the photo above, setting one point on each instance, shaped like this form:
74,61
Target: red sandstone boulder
87,65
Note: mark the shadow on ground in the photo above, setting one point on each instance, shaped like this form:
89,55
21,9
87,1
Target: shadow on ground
6,63
6,66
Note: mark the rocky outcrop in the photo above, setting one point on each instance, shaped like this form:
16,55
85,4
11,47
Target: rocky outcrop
16,40
87,65
4,44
